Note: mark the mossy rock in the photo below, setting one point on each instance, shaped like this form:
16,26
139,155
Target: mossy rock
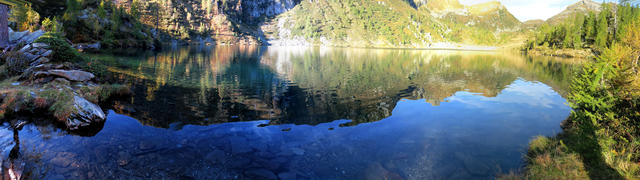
62,50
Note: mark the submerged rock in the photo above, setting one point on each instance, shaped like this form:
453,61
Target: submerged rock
86,114
261,174
73,75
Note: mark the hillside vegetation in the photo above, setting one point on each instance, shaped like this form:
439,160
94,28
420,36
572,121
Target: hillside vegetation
601,138
393,23
582,32
361,23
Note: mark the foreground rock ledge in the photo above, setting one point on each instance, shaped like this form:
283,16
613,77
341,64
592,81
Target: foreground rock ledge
86,114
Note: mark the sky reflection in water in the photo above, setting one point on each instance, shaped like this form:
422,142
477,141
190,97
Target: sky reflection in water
378,114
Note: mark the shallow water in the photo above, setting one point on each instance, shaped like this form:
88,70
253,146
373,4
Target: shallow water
308,113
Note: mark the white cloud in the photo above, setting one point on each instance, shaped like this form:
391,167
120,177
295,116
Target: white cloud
530,9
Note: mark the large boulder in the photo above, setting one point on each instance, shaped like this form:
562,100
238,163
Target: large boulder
28,39
72,75
86,114
15,36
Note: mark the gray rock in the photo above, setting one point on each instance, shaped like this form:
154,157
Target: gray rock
32,36
72,75
35,51
47,53
42,60
260,174
30,56
86,114
94,46
15,36
18,124
25,48
39,45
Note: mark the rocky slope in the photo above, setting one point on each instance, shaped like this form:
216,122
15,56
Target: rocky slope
226,21
391,23
581,7
380,23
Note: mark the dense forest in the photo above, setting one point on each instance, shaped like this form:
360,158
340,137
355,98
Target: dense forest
595,30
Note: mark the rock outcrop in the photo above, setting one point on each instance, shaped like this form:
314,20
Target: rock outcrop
24,37
72,75
86,114
57,86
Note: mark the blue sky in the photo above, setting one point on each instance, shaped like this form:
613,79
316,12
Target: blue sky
531,9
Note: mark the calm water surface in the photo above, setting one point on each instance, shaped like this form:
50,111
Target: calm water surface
307,113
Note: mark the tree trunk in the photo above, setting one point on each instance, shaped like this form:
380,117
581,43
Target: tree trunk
4,25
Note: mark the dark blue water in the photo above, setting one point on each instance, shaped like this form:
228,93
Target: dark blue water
263,113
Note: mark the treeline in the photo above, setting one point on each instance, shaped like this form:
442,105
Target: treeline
601,138
115,26
86,21
593,31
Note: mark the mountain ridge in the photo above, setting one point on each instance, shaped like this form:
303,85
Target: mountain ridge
580,7
376,23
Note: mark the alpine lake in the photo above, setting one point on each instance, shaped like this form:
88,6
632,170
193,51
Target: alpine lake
251,112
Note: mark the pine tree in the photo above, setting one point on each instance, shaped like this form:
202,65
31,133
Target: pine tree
602,28
590,27
102,13
73,7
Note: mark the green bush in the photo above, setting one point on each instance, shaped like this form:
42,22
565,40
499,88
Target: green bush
62,50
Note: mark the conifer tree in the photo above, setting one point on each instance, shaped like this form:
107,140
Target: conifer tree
602,29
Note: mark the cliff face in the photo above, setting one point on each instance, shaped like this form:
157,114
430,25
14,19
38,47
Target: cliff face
223,20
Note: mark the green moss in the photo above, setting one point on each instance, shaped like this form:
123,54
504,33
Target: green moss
62,50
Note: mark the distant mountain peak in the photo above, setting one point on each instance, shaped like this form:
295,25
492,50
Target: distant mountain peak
444,5
580,7
486,7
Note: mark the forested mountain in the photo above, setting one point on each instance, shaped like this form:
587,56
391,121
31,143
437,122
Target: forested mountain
378,23
392,23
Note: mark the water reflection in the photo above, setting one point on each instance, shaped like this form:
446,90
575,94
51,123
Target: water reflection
312,85
200,113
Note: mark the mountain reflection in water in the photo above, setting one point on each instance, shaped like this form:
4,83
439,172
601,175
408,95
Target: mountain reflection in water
312,113
312,85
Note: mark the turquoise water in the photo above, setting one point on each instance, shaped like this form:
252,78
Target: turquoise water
308,113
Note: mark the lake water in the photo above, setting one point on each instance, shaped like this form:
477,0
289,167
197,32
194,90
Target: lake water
243,112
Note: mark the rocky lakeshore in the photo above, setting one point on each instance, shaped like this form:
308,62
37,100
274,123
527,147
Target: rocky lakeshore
42,82
41,74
